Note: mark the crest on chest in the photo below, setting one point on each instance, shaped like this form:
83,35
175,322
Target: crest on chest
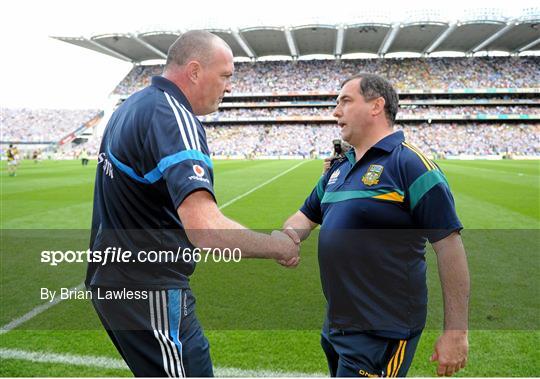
372,175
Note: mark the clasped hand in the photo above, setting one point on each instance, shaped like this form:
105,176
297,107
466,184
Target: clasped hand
288,244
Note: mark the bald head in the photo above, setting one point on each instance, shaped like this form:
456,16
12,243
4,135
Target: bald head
195,45
201,65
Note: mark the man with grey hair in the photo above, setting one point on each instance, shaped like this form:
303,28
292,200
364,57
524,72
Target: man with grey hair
154,193
377,206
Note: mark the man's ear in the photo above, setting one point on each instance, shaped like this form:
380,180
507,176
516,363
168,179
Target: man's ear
193,69
378,106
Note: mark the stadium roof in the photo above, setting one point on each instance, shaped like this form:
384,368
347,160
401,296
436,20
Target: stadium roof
423,37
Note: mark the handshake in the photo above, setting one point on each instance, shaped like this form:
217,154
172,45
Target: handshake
287,244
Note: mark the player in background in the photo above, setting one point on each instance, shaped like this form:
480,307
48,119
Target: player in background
13,160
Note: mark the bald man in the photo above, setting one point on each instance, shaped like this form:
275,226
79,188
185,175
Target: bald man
154,192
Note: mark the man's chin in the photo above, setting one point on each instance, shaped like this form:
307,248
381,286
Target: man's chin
345,137
216,107
208,111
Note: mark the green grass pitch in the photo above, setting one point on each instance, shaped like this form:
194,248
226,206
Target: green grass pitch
257,315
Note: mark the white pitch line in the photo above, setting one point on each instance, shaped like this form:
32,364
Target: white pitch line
260,185
43,307
34,312
69,359
114,363
237,372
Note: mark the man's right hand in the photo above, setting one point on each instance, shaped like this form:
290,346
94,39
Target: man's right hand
293,262
286,248
327,163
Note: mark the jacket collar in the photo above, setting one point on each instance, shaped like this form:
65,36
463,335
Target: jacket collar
172,89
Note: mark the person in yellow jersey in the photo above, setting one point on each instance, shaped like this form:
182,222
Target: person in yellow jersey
84,157
13,160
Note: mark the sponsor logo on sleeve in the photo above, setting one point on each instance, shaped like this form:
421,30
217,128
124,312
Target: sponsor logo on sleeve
199,174
198,170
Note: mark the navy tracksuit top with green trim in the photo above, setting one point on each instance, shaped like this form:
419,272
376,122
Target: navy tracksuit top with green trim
152,156
376,216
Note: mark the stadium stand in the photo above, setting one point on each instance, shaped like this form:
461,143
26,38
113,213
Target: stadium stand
412,110
284,108
406,74
282,98
42,125
441,140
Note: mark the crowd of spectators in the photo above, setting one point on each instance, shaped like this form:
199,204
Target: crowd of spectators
138,78
409,110
48,125
316,140
435,140
405,74
235,140
272,140
467,110
231,113
41,125
475,139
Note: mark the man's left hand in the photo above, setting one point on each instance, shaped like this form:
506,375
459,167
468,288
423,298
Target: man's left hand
451,351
